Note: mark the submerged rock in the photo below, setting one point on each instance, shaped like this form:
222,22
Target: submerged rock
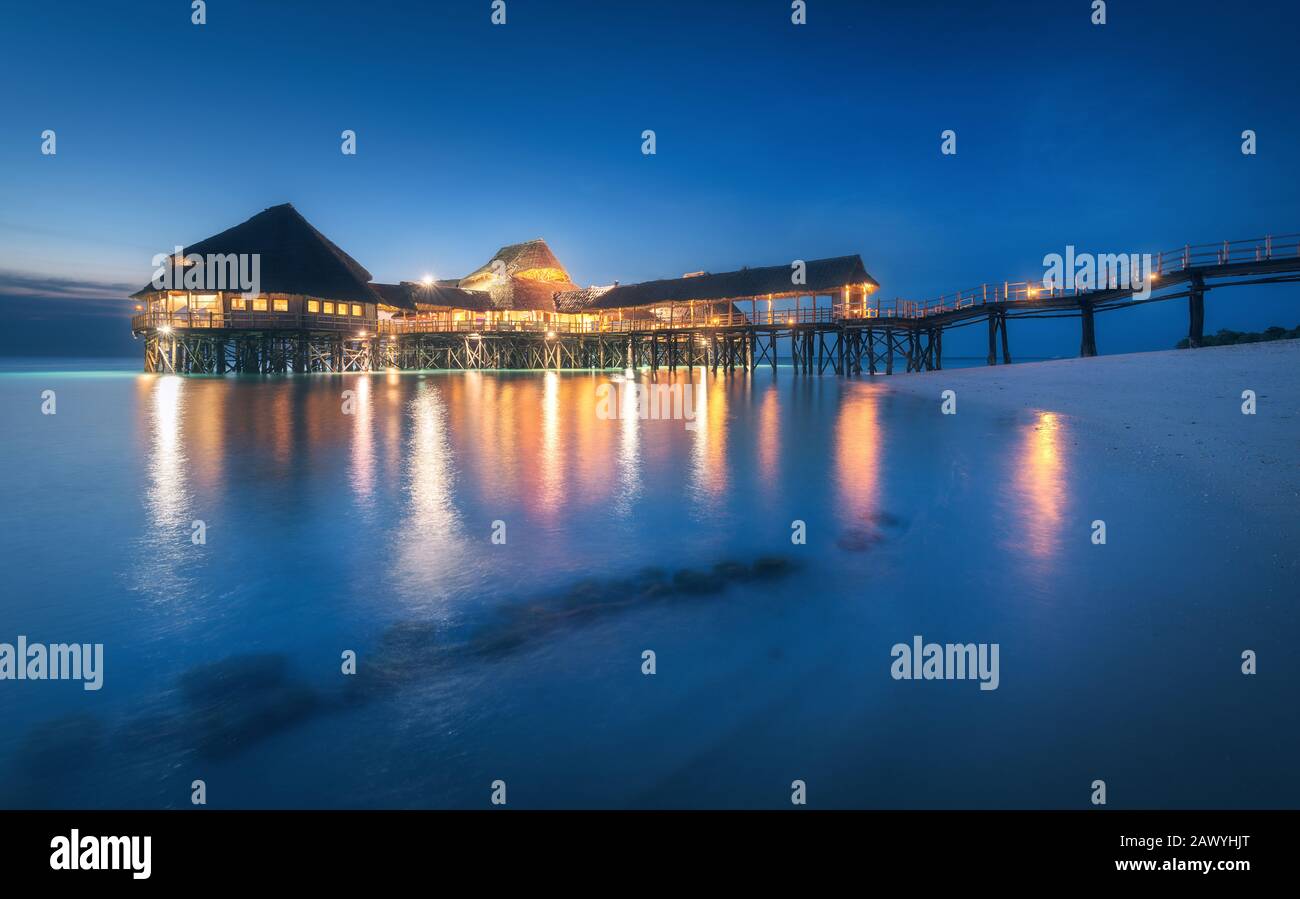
232,677
733,571
60,746
406,651
698,583
859,540
768,568
235,702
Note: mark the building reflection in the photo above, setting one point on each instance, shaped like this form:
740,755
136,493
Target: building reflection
362,468
858,455
168,498
430,544
709,471
1040,484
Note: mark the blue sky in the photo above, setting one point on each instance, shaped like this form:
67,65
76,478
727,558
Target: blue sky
775,142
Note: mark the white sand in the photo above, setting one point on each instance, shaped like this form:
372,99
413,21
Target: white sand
1162,410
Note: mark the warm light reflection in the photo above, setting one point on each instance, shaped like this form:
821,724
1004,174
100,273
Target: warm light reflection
1040,478
430,546
168,497
551,458
362,468
709,444
858,441
769,443
629,454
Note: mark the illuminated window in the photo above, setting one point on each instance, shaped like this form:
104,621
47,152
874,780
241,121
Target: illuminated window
356,310
281,305
259,304
329,308
238,304
313,305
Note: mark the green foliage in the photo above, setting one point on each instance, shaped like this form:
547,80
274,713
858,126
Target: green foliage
1226,337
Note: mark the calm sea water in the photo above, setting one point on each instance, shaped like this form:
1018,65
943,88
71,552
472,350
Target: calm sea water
522,662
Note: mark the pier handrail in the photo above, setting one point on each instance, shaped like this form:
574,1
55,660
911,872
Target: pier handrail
1168,262
247,320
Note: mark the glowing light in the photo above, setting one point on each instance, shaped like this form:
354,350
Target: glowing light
164,329
1032,293
427,280
361,333
550,335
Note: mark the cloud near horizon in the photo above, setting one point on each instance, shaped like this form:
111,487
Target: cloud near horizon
97,297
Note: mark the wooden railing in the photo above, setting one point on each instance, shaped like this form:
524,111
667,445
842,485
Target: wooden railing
1169,262
251,321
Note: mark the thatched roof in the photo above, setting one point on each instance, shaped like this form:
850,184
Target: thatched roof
396,295
412,295
823,275
528,277
579,298
295,257
451,297
531,259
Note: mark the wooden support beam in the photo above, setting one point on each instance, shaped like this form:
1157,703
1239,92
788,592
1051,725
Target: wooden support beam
1088,342
1196,310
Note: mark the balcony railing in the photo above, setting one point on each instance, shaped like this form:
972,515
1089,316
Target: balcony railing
250,321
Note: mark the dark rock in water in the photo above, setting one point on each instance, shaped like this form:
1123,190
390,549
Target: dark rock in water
233,677
152,732
859,540
649,584
732,571
232,703
590,597
772,567
225,726
501,642
697,583
889,520
61,746
406,651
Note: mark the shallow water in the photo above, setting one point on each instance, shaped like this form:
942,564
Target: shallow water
480,661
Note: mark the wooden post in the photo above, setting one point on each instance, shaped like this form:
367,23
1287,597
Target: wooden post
993,330
1196,308
1006,350
1088,347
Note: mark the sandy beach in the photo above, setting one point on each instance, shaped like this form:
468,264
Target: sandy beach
1163,410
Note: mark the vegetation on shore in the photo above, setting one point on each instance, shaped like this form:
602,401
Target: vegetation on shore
1226,337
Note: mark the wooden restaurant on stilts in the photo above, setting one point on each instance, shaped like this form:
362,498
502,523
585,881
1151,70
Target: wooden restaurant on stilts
316,309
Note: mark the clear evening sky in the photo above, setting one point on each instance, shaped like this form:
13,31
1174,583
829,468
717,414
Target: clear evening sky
775,142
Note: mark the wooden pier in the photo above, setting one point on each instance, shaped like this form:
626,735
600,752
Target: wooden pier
843,336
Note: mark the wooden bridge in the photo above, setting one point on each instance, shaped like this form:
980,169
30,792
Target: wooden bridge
847,338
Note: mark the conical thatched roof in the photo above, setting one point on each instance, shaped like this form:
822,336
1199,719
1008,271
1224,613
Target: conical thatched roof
295,257
531,260
533,275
